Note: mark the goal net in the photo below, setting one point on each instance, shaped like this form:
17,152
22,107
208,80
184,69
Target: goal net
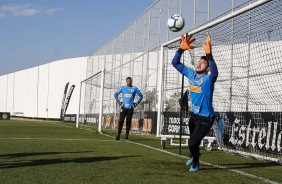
247,47
97,105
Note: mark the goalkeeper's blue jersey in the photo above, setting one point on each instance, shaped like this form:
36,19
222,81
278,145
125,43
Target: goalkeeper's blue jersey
128,95
201,87
201,92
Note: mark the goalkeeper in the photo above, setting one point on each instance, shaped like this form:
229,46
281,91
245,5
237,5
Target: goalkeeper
201,87
127,105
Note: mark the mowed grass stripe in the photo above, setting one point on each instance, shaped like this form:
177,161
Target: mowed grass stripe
264,180
54,139
57,161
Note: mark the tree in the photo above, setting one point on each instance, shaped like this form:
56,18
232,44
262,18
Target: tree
151,99
171,104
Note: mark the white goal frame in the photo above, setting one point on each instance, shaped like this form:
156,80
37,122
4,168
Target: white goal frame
102,73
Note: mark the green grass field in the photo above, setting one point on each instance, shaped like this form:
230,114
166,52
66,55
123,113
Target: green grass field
53,152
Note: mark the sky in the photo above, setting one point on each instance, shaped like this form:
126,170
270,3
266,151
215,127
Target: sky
36,32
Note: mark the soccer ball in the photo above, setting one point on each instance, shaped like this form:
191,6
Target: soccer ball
175,23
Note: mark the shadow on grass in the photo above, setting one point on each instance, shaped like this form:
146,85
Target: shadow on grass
42,162
17,155
250,165
239,166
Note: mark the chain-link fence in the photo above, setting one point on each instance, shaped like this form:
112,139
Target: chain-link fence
136,49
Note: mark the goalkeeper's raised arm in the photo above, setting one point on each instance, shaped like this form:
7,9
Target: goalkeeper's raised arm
212,65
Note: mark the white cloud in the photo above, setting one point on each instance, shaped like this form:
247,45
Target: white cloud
24,10
2,14
52,11
18,10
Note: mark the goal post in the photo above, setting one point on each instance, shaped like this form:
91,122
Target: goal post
247,47
97,105
90,103
101,100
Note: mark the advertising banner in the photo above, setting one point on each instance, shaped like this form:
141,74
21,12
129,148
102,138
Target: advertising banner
247,130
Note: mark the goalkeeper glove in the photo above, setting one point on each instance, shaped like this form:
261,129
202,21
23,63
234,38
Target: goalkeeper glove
207,46
135,105
119,103
186,42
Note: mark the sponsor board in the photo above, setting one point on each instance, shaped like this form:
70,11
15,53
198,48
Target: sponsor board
145,122
171,123
70,118
247,130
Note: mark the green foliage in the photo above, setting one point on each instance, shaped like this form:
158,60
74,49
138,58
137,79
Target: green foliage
152,100
172,104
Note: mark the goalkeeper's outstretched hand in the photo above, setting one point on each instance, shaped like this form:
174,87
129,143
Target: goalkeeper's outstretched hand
207,46
186,42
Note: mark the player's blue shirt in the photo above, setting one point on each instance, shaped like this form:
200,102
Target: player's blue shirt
128,95
201,88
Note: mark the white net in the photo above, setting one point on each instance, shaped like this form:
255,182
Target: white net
90,100
100,103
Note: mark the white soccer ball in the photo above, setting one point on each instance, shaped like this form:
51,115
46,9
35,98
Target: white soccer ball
175,23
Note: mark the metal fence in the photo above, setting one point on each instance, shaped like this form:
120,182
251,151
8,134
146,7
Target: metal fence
135,51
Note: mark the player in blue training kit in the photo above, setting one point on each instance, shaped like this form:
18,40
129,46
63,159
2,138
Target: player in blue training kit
201,87
127,105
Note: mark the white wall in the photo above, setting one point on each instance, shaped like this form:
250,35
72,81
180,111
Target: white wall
3,93
43,91
10,93
38,91
25,92
59,74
